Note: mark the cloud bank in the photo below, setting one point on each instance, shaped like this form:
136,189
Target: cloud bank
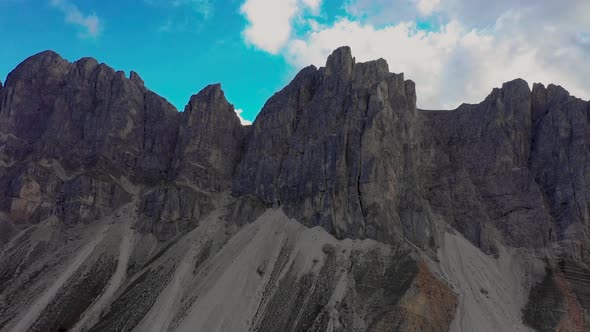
468,48
270,21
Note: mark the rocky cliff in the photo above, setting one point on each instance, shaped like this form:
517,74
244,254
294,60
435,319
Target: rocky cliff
343,207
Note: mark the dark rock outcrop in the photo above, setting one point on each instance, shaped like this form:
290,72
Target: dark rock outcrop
516,165
29,95
329,148
480,176
72,130
134,77
344,147
210,140
560,301
170,210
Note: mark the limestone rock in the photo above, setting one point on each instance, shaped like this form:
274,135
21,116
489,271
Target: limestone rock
26,203
210,140
62,121
170,210
481,178
317,148
133,76
29,95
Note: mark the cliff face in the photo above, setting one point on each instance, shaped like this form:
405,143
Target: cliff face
210,140
426,218
74,133
344,147
516,164
333,149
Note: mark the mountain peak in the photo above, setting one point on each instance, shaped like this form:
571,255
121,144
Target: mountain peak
517,90
46,54
46,64
46,57
210,134
516,84
209,97
340,60
87,64
212,89
134,76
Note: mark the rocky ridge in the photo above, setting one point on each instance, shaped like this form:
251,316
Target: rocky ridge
342,198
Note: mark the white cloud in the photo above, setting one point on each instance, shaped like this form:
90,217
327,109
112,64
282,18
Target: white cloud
243,121
426,7
479,46
89,23
420,55
270,21
314,5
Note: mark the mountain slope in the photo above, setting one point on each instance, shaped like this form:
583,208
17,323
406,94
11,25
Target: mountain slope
342,208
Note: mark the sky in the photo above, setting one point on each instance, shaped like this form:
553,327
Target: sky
455,50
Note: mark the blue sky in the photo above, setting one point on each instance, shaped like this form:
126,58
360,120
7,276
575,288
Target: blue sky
176,50
455,50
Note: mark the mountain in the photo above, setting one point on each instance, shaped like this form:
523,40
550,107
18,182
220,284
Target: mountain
343,207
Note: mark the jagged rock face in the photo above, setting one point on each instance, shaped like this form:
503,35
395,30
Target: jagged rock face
134,77
167,211
480,175
120,213
344,147
560,301
329,148
85,111
210,140
100,113
27,100
515,166
560,164
70,131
